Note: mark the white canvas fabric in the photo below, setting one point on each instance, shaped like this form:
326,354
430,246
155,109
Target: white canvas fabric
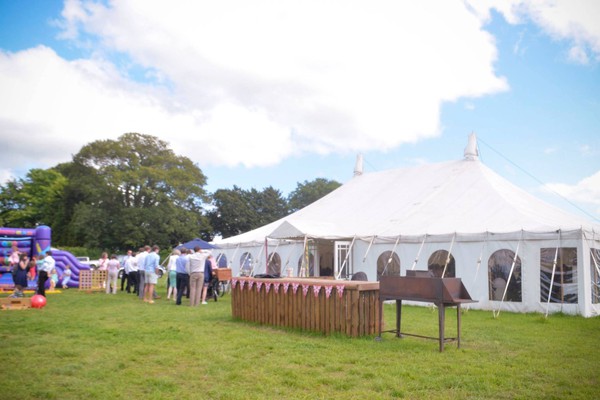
453,197
462,207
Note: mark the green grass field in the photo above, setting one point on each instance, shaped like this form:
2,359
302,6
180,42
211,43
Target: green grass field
98,346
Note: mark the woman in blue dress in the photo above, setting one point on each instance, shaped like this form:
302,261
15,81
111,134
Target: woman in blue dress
20,275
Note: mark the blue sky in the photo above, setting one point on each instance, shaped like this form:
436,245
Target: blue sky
276,93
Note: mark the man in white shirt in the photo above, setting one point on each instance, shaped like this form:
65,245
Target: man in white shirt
125,275
195,267
141,261
47,265
132,271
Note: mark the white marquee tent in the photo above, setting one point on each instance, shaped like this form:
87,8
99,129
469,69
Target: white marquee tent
459,218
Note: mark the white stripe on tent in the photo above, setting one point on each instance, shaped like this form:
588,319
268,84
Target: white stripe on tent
480,258
235,253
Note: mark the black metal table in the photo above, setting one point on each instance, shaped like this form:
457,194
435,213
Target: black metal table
443,292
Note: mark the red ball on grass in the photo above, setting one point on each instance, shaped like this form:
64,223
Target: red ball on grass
38,301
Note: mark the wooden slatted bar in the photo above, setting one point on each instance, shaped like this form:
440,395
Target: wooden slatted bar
319,305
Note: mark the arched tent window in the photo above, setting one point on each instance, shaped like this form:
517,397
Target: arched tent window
564,285
436,263
387,266
221,260
499,265
274,266
311,264
246,264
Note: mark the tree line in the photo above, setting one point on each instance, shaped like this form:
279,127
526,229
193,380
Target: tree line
117,194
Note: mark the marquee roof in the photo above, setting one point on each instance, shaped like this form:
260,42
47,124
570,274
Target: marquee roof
463,197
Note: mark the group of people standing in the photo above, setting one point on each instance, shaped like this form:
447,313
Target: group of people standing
189,272
139,270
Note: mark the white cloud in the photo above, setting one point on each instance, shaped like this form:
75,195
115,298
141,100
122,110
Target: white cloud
573,20
578,55
586,150
250,83
586,191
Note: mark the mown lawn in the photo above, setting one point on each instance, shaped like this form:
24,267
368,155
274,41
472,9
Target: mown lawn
98,346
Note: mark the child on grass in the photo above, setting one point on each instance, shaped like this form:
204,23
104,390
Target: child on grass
66,277
53,279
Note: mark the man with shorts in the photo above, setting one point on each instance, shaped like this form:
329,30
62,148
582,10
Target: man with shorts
151,266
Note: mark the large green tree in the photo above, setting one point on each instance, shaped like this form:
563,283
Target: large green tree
309,192
33,200
236,210
269,204
132,191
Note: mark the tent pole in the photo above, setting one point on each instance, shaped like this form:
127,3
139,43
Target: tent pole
246,259
595,253
389,260
552,278
510,273
273,254
346,258
303,265
419,253
369,248
266,254
449,254
254,263
287,261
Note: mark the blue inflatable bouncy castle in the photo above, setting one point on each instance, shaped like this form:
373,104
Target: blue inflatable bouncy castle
34,242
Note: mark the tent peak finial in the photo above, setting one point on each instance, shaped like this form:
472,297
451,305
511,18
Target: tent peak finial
471,153
358,167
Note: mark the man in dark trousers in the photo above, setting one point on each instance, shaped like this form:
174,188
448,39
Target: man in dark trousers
44,270
182,277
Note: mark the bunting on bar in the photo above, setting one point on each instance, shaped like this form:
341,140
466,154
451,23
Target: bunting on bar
295,287
276,285
259,285
234,282
340,290
285,287
328,290
268,286
305,289
316,290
